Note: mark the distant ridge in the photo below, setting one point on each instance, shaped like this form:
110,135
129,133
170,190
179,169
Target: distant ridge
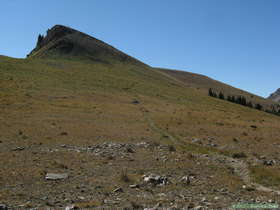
64,42
203,83
275,96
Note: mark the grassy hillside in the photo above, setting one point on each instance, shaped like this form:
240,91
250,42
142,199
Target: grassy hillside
47,103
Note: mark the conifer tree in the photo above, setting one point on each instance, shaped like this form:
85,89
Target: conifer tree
221,96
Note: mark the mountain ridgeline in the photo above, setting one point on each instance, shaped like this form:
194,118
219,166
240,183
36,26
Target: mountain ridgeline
64,42
207,85
241,100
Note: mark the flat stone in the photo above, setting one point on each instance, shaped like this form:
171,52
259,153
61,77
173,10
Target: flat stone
18,149
155,179
71,207
134,186
81,197
119,189
52,176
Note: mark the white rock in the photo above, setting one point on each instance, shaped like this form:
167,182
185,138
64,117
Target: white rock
52,176
186,180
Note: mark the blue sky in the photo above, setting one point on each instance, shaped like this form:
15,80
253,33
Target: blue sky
234,41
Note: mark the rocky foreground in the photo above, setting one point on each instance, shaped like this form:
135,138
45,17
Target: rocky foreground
143,175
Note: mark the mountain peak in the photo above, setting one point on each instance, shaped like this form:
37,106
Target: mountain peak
64,42
275,96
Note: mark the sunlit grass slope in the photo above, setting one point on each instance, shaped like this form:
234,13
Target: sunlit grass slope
94,102
43,87
203,83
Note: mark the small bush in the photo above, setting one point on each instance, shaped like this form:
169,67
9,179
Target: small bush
239,155
221,96
258,106
171,148
124,176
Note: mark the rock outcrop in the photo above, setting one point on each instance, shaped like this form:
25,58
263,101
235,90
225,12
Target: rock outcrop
275,96
64,42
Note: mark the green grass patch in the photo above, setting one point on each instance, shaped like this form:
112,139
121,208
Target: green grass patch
267,176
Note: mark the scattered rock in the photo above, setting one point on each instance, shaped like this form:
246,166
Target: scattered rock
118,190
248,188
212,145
143,144
269,162
135,101
186,180
111,149
18,149
44,198
196,141
81,197
134,186
203,200
3,207
71,207
130,150
52,176
155,179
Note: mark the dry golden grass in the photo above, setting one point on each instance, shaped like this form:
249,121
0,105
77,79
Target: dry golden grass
203,83
267,176
91,103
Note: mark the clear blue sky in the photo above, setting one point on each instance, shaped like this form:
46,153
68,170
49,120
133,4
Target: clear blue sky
234,41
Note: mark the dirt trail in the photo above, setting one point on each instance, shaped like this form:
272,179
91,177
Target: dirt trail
157,129
240,167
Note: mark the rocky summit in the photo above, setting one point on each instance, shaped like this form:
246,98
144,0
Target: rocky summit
275,96
65,42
